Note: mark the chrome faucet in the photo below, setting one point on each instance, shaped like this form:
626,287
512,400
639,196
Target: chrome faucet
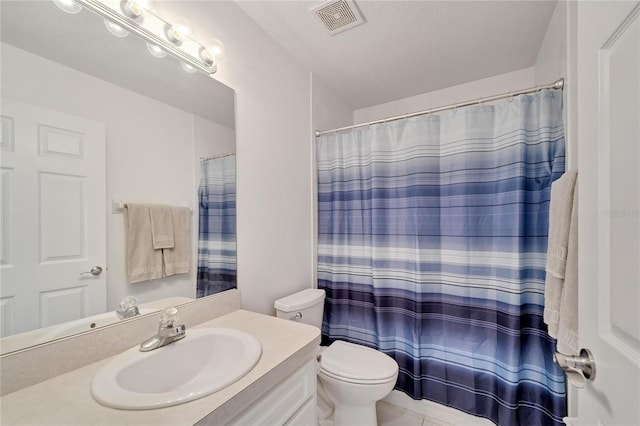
168,331
128,308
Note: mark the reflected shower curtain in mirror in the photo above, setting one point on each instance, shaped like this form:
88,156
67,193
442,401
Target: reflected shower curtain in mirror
217,226
432,238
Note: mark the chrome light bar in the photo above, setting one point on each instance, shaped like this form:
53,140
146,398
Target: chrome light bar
154,30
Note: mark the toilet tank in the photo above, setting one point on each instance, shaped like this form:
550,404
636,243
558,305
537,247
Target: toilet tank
305,306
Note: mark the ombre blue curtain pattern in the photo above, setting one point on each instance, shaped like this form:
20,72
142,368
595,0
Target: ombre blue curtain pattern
217,226
432,237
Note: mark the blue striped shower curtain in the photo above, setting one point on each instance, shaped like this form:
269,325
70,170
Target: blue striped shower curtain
432,234
217,226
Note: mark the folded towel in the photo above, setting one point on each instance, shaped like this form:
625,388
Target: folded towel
568,325
177,260
161,226
143,262
560,223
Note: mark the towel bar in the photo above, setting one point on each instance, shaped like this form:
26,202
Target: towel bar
117,207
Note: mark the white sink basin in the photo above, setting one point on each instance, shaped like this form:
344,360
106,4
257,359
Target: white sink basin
205,361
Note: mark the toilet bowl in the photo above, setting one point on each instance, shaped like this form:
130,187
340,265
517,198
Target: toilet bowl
352,377
355,377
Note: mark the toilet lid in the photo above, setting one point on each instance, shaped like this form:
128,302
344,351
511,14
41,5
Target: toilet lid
357,363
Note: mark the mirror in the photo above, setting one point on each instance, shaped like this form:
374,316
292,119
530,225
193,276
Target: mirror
91,121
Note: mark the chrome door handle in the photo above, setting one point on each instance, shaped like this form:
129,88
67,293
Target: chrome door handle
96,270
583,364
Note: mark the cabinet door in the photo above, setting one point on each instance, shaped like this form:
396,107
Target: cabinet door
291,402
306,416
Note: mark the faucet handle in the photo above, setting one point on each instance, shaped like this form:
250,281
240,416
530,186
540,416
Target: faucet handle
169,317
128,308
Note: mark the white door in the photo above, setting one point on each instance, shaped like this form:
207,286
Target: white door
53,217
608,103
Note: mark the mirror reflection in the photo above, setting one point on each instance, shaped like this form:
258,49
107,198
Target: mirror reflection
91,122
217,225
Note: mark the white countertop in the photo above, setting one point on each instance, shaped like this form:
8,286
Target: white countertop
67,400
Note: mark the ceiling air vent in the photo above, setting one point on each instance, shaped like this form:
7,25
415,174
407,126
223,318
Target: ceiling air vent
338,16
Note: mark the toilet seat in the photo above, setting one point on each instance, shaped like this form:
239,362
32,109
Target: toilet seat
357,364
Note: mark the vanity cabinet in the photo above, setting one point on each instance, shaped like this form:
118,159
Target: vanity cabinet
292,402
279,390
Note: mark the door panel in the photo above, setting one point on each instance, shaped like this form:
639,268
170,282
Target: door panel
53,217
608,100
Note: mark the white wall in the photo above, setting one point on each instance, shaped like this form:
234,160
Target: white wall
273,137
552,63
149,152
502,83
328,110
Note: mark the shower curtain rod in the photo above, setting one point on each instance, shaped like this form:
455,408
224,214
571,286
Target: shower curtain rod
558,84
217,156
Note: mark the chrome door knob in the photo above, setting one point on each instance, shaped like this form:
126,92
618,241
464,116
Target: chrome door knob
96,270
583,364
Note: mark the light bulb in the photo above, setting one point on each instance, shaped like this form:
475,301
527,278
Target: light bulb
156,50
115,29
177,31
207,56
188,68
211,50
133,8
216,47
69,6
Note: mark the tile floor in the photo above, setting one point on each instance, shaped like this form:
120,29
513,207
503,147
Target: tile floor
398,409
392,415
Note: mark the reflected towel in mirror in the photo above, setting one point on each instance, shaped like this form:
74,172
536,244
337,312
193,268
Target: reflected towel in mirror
177,260
161,226
143,262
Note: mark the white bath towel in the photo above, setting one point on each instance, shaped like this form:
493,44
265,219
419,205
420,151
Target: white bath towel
558,278
568,324
143,262
177,260
161,226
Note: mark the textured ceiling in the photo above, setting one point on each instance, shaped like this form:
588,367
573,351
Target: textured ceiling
408,47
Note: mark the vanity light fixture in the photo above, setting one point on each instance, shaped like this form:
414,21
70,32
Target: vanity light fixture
161,35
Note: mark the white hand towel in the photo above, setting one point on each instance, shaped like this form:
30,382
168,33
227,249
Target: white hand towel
161,226
177,260
560,223
143,262
568,325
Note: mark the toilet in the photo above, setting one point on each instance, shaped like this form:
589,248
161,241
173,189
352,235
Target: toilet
352,377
